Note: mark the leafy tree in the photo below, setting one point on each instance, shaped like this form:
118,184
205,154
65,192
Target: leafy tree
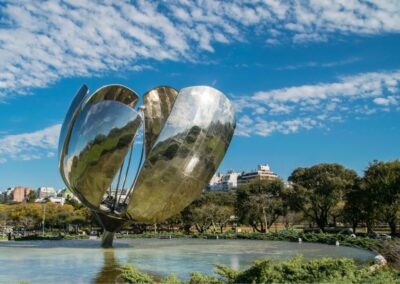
356,208
202,218
173,221
3,215
220,216
58,215
24,215
31,197
210,209
318,190
381,184
260,203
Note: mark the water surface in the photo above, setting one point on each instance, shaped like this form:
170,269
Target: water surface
83,261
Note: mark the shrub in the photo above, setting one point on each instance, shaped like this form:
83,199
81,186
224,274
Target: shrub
198,278
131,275
38,238
295,270
390,249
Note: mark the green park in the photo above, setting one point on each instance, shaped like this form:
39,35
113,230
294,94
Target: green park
325,203
199,141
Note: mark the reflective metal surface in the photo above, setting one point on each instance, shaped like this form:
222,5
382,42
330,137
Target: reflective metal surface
186,154
118,93
158,103
95,137
100,140
69,119
186,136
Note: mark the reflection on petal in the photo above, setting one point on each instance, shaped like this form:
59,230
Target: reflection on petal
118,93
186,137
186,154
158,103
69,120
100,139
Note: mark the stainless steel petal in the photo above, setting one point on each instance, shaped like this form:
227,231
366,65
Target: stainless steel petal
185,155
113,93
100,139
158,103
69,120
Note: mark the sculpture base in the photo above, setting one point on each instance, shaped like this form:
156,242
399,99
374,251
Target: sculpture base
107,239
110,225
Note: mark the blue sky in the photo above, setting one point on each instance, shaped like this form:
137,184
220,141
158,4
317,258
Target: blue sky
311,82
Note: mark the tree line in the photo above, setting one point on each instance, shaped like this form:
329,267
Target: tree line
322,196
30,216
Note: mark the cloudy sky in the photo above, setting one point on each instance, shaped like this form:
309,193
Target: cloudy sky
312,81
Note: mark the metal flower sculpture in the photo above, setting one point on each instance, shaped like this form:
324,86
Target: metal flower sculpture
186,135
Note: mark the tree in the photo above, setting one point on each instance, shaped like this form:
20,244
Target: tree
31,197
356,206
260,203
58,215
220,216
381,184
24,215
202,218
318,190
210,209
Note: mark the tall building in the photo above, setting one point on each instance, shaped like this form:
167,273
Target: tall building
16,194
263,172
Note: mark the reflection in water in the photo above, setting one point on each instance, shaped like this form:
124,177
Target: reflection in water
111,269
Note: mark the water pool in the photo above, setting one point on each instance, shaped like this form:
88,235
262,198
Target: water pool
83,261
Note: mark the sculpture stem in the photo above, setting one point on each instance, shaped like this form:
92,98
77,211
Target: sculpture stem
110,225
107,239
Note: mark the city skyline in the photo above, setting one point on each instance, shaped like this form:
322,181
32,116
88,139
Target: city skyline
64,187
311,83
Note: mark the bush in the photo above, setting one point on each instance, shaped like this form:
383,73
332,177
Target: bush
153,235
198,278
390,249
131,275
295,270
306,237
76,237
38,238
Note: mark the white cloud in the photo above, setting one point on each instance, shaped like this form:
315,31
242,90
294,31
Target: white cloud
286,111
386,101
43,41
291,109
351,88
29,146
265,127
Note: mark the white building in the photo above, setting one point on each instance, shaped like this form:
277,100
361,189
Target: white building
263,172
223,181
45,191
